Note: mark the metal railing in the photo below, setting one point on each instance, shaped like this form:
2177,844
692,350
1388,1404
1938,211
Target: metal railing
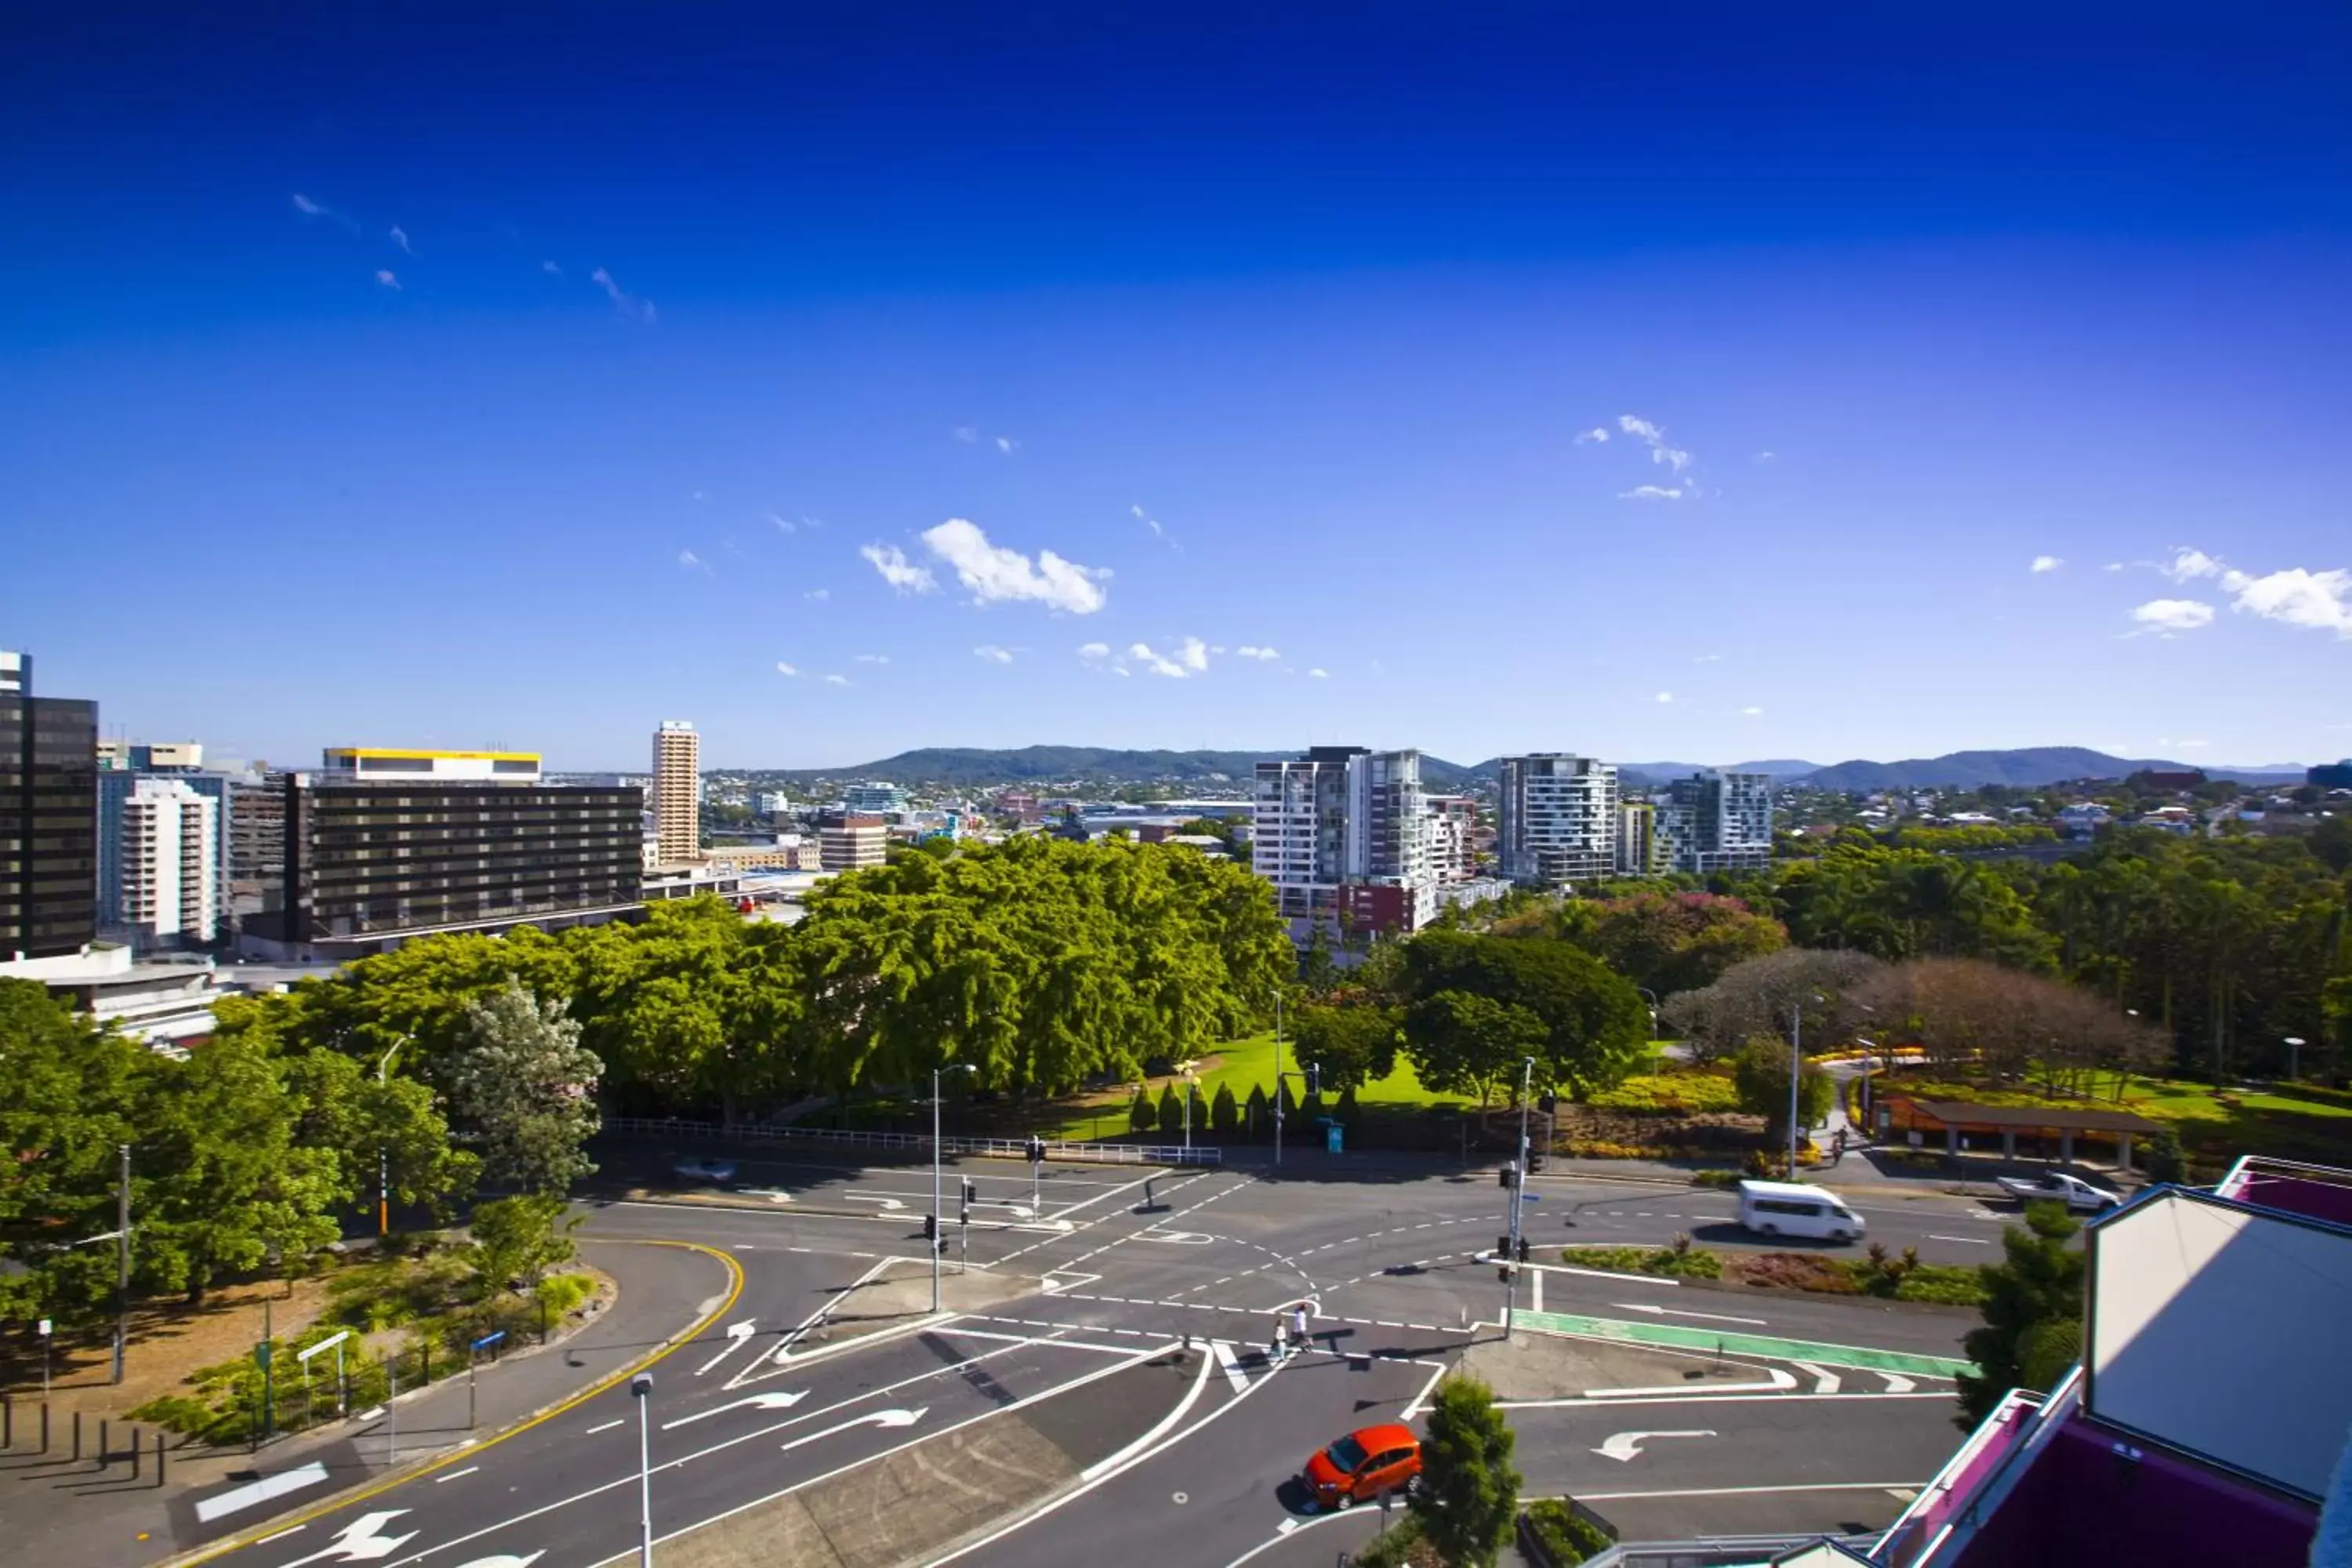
996,1147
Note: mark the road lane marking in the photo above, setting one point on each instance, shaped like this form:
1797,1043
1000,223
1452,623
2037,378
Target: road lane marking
454,1474
1677,1312
1626,1446
281,1535
756,1401
1754,1491
607,1426
261,1491
1824,1380
885,1418
1233,1373
1775,1380
1183,1406
1766,1346
738,1335
1721,1397
1898,1383
1963,1240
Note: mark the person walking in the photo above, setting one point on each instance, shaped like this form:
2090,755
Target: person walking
1299,1325
1837,1148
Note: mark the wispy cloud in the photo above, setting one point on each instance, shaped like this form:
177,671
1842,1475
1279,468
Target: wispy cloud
309,208
819,595
783,668
1598,433
2112,566
1753,713
1767,457
1094,650
1709,658
994,574
993,653
873,658
836,680
2187,566
1007,445
2047,564
1248,651
550,268
1319,675
968,433
1665,697
1654,438
693,562
628,304
1158,664
400,238
2163,618
384,276
1149,521
898,571
1651,492
784,524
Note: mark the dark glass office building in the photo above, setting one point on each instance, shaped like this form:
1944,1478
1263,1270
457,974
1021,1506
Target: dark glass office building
49,818
369,864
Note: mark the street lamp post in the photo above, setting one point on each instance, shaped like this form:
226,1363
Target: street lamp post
1518,1201
938,1231
2294,1045
642,1387
1654,1008
383,1153
1277,1080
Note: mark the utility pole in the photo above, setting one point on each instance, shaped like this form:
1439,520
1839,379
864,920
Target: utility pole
1277,1080
1796,1071
937,1239
1518,1201
122,1265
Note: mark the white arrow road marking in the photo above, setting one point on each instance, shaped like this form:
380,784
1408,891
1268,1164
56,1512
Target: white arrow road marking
1824,1380
757,1402
1678,1312
1626,1446
506,1562
1061,1280
879,1418
359,1543
1779,1382
871,1198
1898,1383
1181,1238
1233,1373
738,1335
773,1195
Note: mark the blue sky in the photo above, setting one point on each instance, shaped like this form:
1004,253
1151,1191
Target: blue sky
395,378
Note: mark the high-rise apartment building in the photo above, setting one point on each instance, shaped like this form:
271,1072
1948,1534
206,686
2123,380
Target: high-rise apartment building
1557,820
1716,821
678,792
1345,834
169,848
879,798
125,836
257,847
1452,825
382,846
1637,839
49,818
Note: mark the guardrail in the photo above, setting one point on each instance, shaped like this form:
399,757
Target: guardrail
998,1148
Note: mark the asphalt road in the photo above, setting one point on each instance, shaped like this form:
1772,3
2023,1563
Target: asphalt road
1129,1345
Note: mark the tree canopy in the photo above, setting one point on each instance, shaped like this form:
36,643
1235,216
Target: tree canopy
1474,1005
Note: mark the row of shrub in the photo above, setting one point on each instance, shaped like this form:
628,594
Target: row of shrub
1889,1275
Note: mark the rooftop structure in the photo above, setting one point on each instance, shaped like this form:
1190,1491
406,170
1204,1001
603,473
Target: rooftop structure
386,764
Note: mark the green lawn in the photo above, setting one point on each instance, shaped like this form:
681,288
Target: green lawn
2214,1126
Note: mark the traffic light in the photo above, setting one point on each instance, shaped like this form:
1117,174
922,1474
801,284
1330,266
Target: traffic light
970,1191
963,1215
930,1227
1535,1161
1036,1150
1548,1102
1523,1249
1509,1176
1503,1245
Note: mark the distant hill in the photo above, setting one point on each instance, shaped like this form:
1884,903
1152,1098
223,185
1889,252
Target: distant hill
2028,768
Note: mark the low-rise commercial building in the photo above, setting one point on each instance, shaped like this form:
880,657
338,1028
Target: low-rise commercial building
852,841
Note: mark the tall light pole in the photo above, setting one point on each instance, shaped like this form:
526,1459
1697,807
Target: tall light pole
1518,1201
938,1220
1654,1008
122,1265
642,1387
382,1154
1184,1069
1796,1071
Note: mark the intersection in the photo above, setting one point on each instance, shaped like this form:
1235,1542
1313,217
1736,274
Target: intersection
1107,1367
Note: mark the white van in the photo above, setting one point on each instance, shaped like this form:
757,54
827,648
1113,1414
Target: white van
1788,1208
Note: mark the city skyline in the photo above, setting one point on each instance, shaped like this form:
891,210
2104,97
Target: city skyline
1773,395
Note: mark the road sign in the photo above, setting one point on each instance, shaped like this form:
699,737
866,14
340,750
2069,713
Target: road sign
487,1341
325,1344
45,1328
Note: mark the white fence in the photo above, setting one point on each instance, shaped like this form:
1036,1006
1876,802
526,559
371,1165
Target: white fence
999,1148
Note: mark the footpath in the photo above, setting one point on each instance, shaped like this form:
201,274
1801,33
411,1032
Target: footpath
64,1513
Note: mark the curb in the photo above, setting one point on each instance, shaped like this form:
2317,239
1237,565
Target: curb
360,1490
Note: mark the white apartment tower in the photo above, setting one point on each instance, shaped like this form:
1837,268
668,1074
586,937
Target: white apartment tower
678,792
1557,820
1345,834
1716,821
171,864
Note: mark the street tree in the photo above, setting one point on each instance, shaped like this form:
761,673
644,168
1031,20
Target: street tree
525,1092
1468,1499
2031,1298
1671,942
1760,1075
65,1111
1760,995
1356,1044
517,1240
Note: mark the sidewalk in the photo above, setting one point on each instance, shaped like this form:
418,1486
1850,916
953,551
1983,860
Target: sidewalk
67,1515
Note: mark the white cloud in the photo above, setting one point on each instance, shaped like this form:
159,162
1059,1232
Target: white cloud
400,238
1194,654
1766,457
1654,438
836,680
1155,663
2188,563
1319,675
783,668
1650,492
2318,601
1120,670
309,208
967,434
1246,651
898,571
1149,521
1094,650
873,658
384,276
550,268
819,595
994,573
994,654
1753,713
1665,697
2166,617
784,524
1709,658
1006,443
2047,563
623,300
2112,566
1596,433
688,559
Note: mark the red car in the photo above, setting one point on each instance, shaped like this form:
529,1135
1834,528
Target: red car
1362,1465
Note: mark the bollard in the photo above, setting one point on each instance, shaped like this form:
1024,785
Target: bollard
134,1453
103,1445
44,1426
8,1422
159,1459
77,1445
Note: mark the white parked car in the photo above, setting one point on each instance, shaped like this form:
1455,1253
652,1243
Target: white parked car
1784,1208
706,1169
2072,1191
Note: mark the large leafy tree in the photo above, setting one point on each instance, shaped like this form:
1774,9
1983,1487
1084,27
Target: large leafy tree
1672,942
2032,1312
67,1090
1353,1045
1588,1026
1767,995
524,1088
1469,1494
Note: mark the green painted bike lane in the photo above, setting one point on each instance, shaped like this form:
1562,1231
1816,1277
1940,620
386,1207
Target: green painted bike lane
1766,1345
